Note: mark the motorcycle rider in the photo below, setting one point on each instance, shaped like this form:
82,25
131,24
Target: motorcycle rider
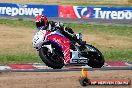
43,24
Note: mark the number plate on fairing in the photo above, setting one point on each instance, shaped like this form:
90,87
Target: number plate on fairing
79,61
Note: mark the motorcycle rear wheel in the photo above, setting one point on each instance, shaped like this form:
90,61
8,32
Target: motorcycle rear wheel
54,60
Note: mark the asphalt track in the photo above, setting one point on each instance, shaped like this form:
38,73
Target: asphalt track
42,68
74,69
65,70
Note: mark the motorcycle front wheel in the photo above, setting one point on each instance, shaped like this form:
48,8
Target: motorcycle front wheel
54,60
96,59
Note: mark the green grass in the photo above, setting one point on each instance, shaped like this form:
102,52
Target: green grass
19,58
117,30
119,54
113,30
17,23
109,53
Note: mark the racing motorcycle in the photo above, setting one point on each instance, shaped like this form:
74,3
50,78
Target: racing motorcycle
56,50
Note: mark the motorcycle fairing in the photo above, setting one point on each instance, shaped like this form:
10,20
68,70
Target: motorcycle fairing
38,39
63,42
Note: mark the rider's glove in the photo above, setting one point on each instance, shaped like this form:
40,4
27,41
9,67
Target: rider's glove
59,24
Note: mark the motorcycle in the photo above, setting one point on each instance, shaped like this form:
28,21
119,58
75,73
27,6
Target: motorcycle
56,50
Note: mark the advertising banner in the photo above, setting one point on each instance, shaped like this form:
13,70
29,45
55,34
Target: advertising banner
28,10
95,12
91,12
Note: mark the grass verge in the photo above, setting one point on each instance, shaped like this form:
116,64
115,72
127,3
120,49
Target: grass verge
19,58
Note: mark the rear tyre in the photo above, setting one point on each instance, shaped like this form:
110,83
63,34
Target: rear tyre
54,60
96,59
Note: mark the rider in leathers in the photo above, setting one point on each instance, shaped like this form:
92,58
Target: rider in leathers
43,24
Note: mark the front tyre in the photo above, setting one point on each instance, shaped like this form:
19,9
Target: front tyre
96,59
54,60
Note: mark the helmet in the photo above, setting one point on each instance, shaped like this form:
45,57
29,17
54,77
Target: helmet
41,21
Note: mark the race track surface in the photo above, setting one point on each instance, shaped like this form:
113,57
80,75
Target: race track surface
41,67
60,79
38,75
